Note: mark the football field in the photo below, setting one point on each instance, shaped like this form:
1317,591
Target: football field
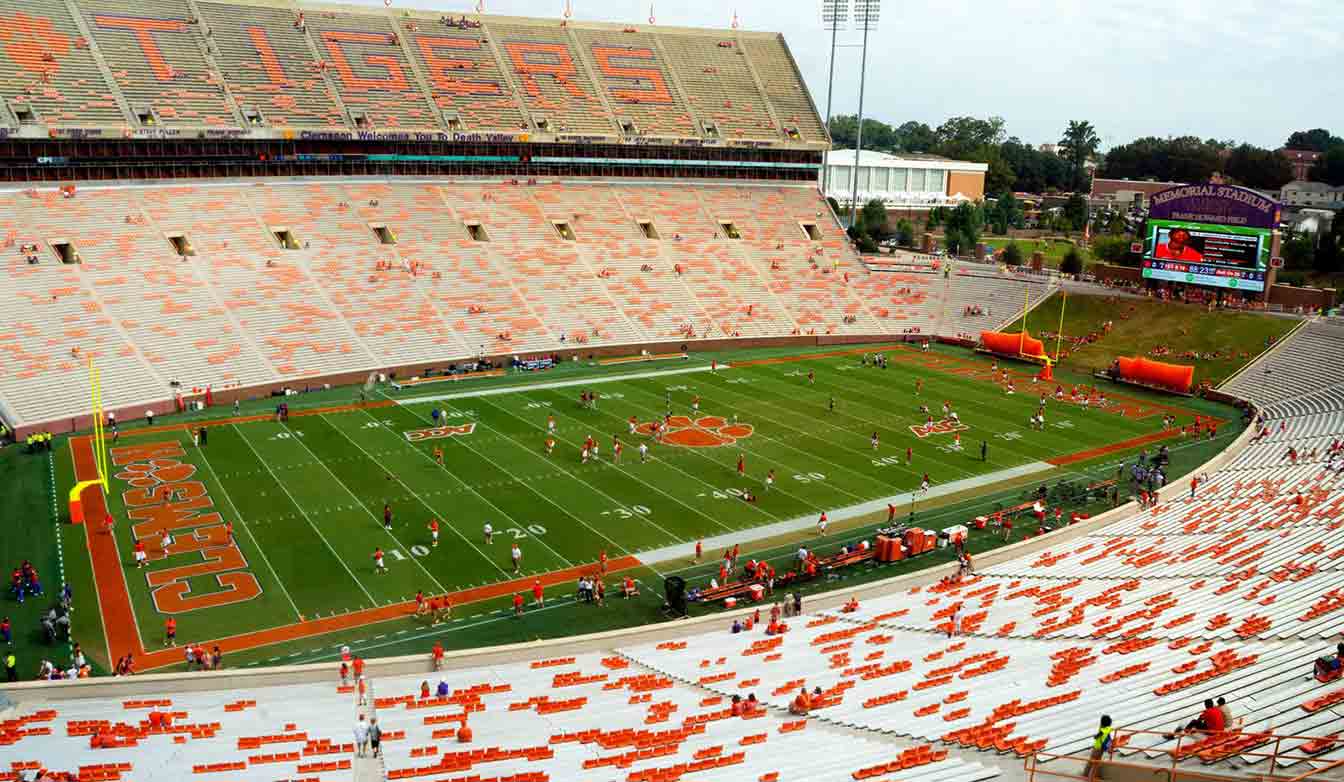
271,526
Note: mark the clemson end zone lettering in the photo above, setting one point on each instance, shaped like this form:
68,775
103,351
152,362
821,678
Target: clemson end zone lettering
437,432
163,498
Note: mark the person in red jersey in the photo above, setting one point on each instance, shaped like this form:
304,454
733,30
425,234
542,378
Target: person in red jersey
1178,247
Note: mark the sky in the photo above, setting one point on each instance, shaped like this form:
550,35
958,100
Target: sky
1226,69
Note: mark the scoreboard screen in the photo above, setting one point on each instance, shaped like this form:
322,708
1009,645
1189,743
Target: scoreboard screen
1223,256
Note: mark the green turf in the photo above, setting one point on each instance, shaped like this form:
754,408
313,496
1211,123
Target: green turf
1142,325
306,497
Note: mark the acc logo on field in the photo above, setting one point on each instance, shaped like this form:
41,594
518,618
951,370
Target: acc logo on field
938,427
437,432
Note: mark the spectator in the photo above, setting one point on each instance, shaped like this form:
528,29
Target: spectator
361,736
802,704
442,690
375,737
1226,710
1209,721
797,603
1100,743
737,707
11,667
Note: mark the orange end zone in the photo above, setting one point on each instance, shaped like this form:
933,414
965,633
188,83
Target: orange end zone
114,602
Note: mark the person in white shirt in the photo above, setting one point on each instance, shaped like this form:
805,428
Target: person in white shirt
361,736
489,533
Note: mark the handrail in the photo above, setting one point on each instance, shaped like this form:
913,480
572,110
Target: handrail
1122,737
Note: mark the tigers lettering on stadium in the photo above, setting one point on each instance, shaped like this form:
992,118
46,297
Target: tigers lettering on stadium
164,498
438,432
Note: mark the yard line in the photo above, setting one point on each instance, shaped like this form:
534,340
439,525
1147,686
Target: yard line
303,513
499,510
692,452
353,496
542,386
822,420
248,530
420,499
901,425
547,497
813,457
637,478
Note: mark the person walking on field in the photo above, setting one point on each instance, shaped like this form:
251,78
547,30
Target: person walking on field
517,555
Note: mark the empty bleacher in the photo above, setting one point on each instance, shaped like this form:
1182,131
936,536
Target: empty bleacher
269,66
715,73
553,80
1282,374
464,76
588,717
47,66
779,75
157,56
363,54
256,283
277,64
637,83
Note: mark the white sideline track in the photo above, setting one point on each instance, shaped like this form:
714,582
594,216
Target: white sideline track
683,551
520,389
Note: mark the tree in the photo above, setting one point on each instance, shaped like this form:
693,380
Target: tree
877,135
1012,254
1034,171
1330,246
1316,139
1005,213
1075,212
873,220
935,218
914,137
1111,248
905,233
1330,167
1299,251
963,227
1181,159
1079,143
1255,167
961,137
1072,262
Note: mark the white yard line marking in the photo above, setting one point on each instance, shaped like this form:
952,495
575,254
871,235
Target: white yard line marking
592,381
613,499
688,452
418,498
206,460
296,504
353,496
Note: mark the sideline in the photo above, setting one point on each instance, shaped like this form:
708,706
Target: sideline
523,388
901,501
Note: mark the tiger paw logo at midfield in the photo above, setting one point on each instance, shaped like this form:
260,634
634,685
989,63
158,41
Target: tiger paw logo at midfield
938,427
709,431
145,475
438,432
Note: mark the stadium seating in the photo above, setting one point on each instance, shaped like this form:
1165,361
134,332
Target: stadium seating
464,76
583,717
1284,375
259,283
49,67
213,64
156,57
719,84
270,66
637,82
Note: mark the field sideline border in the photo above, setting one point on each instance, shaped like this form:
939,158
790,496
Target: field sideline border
119,622
285,675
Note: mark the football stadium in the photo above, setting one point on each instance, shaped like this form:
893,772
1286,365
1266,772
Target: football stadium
396,394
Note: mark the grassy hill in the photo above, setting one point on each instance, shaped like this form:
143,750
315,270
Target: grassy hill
1225,341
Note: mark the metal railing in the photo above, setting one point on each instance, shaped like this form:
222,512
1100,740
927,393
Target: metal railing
1205,748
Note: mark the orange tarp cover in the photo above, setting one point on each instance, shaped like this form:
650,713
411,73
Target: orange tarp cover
1177,377
1003,342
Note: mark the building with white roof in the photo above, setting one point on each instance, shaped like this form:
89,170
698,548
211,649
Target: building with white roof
904,182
